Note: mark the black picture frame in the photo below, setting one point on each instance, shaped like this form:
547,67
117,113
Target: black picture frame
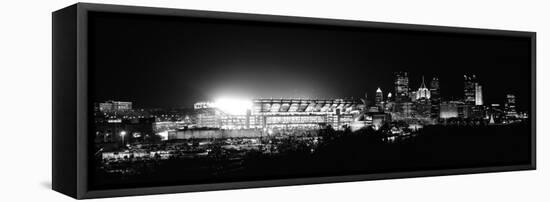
71,106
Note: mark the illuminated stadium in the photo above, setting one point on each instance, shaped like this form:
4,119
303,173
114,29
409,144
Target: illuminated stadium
278,113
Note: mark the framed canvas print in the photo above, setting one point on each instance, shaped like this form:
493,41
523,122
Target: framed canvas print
154,100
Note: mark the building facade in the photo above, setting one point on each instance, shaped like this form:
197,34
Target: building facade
285,114
470,82
114,106
479,95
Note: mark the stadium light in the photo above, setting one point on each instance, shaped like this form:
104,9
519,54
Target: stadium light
233,106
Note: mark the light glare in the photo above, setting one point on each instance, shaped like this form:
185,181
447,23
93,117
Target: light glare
233,106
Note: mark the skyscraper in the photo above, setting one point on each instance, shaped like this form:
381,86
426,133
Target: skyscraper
422,101
401,87
423,92
379,98
510,106
435,97
434,90
479,95
470,89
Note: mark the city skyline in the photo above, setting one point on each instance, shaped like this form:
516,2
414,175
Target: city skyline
188,60
471,82
424,106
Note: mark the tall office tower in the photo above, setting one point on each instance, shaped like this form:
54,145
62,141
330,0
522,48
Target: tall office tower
470,89
434,90
379,98
435,97
422,101
479,95
401,87
423,92
510,106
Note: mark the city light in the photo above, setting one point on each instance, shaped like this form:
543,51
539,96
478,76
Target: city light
163,135
233,106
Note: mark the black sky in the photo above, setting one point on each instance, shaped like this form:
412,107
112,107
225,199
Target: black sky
174,62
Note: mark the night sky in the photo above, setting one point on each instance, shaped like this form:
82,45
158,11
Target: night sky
170,62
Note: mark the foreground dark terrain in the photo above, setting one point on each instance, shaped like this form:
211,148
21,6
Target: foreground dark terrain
339,153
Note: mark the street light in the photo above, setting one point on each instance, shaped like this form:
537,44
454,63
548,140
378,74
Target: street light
122,134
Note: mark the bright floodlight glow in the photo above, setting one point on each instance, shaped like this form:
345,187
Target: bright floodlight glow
233,106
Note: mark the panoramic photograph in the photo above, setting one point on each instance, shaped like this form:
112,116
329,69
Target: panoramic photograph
181,100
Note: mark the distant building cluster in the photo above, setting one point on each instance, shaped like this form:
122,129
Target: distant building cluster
114,106
426,106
